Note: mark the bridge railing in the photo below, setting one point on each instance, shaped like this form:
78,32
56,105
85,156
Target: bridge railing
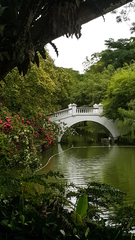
61,113
73,110
87,110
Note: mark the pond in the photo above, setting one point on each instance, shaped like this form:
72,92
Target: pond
83,162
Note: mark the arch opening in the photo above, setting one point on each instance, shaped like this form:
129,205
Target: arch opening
92,129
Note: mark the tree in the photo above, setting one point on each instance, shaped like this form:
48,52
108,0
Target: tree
94,64
91,87
126,122
73,88
41,90
120,91
117,53
27,25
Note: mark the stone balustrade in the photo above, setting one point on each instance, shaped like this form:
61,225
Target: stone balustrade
73,110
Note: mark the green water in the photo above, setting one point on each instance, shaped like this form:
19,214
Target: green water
84,162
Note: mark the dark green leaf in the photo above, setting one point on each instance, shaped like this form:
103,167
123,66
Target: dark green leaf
82,205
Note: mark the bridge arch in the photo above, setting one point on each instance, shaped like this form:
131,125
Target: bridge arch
73,115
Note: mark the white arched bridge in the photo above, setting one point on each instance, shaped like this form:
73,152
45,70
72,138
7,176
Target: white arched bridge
74,114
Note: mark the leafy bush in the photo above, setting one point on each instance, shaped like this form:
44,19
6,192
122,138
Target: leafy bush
19,137
31,208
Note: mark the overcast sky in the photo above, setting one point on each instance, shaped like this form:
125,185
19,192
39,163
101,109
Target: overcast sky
73,52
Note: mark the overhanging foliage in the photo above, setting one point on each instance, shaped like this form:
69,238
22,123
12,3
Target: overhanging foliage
27,25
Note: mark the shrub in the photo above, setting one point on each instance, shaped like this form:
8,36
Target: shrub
19,138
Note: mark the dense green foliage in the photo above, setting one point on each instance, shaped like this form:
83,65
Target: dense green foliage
89,88
119,52
126,122
120,91
41,90
32,208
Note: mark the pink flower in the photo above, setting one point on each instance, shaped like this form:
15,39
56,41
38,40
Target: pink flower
0,121
25,133
1,104
46,214
16,150
23,120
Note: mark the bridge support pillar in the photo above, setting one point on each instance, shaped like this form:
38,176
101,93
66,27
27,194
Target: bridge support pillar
59,138
73,108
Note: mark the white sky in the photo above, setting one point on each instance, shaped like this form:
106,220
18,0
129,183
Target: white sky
73,52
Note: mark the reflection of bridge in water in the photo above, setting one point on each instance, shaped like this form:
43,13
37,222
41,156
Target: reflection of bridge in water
74,114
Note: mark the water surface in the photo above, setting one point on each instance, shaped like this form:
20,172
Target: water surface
113,165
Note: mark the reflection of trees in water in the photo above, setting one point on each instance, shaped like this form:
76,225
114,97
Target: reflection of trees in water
119,170
82,164
88,132
112,165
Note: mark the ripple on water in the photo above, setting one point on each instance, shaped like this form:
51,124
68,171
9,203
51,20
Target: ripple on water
111,165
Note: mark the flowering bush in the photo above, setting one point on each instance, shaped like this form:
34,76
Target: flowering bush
19,138
44,130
